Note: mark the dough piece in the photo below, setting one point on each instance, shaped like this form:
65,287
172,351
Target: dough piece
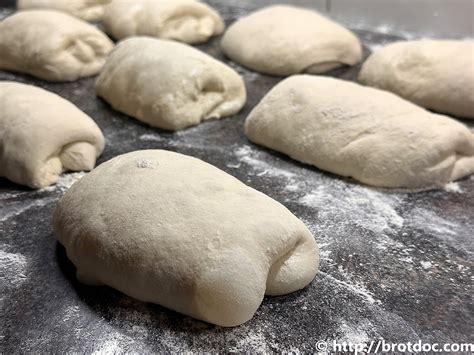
89,10
187,21
169,85
52,45
438,75
368,134
167,228
41,135
285,40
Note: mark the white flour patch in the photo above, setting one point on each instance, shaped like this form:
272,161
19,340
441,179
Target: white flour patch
432,223
324,251
71,312
248,339
247,155
12,270
5,12
374,46
247,74
426,264
367,208
7,195
352,334
65,181
16,208
383,29
453,187
358,290
151,138
114,343
145,164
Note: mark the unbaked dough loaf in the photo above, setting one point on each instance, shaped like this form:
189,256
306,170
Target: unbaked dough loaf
285,40
52,45
436,74
41,135
89,10
167,228
368,134
169,85
187,21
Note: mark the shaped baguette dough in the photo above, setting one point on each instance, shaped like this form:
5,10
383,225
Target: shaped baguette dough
285,40
41,135
52,45
89,10
169,85
371,135
167,228
438,75
187,21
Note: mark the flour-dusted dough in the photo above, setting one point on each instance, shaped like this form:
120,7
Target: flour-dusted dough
171,229
169,85
52,45
41,135
187,21
436,74
285,40
89,10
368,134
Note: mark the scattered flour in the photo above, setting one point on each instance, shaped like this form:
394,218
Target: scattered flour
355,204
15,208
453,187
65,181
145,164
352,334
5,12
359,290
248,339
114,343
12,270
151,138
249,156
71,312
433,223
247,74
426,264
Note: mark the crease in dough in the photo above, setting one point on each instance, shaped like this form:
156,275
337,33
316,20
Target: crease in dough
170,85
52,45
368,134
42,135
193,238
188,21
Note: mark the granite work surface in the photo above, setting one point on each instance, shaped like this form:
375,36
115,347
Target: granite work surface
395,265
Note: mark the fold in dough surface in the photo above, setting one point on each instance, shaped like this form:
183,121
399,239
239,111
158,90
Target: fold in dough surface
42,134
171,229
368,134
188,21
169,85
52,45
285,40
438,75
89,10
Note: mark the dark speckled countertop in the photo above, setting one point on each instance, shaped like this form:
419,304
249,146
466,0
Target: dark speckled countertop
394,265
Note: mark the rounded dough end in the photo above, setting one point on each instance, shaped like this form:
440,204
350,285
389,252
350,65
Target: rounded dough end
295,269
79,156
231,294
47,174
